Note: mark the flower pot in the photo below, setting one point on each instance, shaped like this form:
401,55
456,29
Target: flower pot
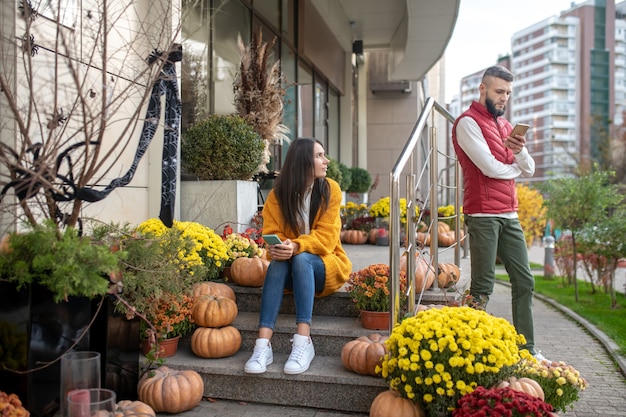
168,347
375,320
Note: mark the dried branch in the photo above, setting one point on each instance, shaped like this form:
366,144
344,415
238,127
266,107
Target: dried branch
73,105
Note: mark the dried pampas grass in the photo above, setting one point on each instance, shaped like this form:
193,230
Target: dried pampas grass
259,91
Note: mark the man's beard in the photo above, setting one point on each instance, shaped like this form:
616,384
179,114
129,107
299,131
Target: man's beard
491,108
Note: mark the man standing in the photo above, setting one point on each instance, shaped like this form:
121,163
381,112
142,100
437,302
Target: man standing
491,159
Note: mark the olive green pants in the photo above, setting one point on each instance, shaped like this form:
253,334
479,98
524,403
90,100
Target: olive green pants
494,236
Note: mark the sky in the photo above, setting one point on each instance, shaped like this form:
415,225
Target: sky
483,32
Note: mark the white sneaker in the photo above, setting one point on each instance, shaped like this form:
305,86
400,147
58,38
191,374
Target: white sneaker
302,353
261,357
540,358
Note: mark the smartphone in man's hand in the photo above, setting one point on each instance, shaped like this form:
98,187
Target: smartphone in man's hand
519,129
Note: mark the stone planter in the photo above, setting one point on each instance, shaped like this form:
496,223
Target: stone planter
357,198
216,203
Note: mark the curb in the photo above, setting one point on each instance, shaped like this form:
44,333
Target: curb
607,343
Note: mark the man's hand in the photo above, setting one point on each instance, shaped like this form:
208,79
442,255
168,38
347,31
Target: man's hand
515,143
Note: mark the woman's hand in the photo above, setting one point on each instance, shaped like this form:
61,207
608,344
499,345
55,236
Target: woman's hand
284,251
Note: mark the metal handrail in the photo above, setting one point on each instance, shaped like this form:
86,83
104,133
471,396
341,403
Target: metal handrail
408,156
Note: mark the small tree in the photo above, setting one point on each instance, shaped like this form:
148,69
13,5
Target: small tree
607,240
577,202
73,92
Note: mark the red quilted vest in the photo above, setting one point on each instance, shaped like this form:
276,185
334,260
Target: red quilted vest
481,193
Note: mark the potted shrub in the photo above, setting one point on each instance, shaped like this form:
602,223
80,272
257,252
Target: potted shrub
223,153
159,273
339,172
53,284
360,184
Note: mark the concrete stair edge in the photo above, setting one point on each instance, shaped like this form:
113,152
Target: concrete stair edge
325,385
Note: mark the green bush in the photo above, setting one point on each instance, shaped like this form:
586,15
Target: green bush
339,172
346,176
361,180
333,171
222,147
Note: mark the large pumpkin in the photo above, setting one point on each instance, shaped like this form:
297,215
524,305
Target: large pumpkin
214,311
423,272
127,408
215,343
249,272
389,403
353,237
213,288
442,227
362,355
527,385
448,274
171,391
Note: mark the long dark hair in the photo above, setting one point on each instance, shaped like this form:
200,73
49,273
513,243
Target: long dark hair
292,182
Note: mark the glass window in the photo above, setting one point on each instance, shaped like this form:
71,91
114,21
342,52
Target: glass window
333,123
305,101
269,10
231,19
288,67
195,83
288,21
321,110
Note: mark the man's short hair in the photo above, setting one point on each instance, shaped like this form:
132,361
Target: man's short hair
498,71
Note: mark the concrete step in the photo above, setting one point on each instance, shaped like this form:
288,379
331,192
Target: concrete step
325,385
329,334
337,305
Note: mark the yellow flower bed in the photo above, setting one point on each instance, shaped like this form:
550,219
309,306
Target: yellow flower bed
439,355
208,247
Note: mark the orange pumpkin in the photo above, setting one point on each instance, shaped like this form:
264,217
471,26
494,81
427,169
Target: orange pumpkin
127,408
362,355
527,385
423,272
213,288
353,237
446,238
448,274
249,272
424,275
215,343
390,403
171,391
213,311
423,238
442,227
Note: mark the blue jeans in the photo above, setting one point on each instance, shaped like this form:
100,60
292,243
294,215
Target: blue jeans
305,274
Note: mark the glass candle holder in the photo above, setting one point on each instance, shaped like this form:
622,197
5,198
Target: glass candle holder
92,402
79,370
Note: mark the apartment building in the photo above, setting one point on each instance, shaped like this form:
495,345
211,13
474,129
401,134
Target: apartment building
570,85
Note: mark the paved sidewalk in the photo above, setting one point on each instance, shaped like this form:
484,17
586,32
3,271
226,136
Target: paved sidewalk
558,336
